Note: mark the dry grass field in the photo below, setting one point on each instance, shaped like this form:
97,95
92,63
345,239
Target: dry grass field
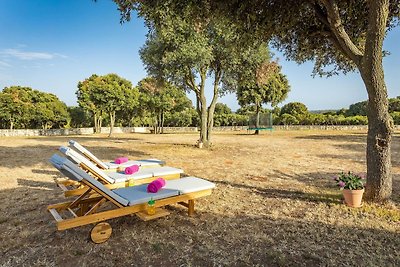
274,205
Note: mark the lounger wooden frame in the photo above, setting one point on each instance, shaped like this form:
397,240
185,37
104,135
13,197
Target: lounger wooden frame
72,188
84,209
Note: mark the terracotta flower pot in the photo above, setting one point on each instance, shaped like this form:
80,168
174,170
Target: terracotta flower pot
353,198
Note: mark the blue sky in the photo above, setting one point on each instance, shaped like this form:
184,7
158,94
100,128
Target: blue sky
50,45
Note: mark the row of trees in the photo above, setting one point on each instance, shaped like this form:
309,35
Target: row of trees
157,105
23,107
114,99
297,113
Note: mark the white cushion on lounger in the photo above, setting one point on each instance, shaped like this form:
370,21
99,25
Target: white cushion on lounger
144,173
160,171
121,177
138,194
188,185
141,162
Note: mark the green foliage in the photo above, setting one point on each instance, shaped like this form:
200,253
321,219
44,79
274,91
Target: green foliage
295,109
79,117
184,118
394,104
221,108
23,107
350,181
225,119
288,119
158,99
396,117
359,108
299,28
273,89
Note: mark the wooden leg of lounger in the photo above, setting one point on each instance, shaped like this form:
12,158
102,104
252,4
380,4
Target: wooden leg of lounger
191,207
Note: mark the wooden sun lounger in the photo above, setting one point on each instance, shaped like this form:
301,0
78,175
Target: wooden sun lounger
144,163
112,179
89,208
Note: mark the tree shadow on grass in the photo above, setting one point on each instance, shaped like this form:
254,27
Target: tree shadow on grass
210,238
276,193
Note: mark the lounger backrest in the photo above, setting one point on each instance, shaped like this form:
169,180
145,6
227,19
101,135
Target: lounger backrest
87,153
57,161
72,171
78,159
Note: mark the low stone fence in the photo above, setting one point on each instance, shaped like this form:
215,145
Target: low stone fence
70,131
88,131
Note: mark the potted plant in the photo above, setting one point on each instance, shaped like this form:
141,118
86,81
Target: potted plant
353,188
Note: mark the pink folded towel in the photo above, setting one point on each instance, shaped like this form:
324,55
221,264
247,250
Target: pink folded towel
156,185
131,169
121,160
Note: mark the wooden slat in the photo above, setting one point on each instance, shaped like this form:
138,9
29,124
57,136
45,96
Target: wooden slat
63,188
116,203
56,215
81,197
65,205
95,207
72,212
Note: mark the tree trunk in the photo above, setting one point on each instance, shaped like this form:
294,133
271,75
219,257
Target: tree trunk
95,122
100,122
203,120
112,121
211,108
203,108
257,118
380,124
162,121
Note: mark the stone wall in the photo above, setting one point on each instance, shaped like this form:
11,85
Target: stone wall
105,130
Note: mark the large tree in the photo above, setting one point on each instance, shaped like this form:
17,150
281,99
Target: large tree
105,94
270,86
346,35
86,101
187,52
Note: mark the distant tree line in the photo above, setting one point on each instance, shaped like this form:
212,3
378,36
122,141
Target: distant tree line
111,100
297,114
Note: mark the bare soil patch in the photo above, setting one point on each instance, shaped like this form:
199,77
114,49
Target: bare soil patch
274,205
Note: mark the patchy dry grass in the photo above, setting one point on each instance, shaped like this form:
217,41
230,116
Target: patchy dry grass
274,205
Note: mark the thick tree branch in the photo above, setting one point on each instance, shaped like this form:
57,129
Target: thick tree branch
189,80
379,10
335,24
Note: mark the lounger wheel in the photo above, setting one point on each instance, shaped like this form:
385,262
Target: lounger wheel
101,232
